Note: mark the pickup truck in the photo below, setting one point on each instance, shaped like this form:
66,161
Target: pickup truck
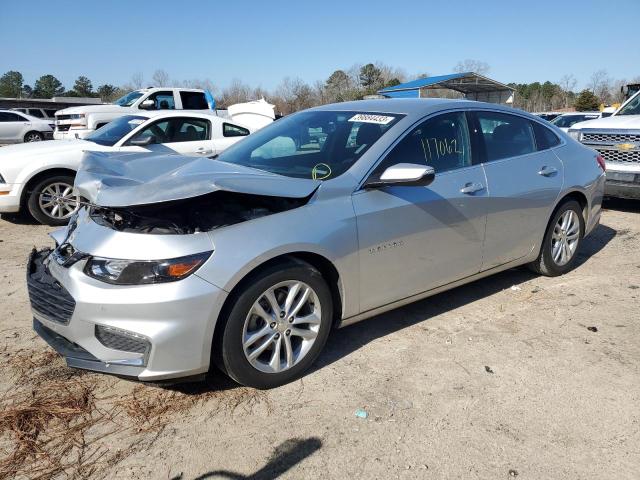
617,140
79,122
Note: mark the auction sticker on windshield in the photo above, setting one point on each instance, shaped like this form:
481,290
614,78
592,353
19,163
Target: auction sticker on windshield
369,118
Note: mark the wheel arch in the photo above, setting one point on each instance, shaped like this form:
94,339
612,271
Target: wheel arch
325,266
39,176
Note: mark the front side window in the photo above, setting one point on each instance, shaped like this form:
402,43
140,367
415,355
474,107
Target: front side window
193,101
162,101
229,130
631,108
441,142
505,135
128,99
12,117
176,130
313,144
112,132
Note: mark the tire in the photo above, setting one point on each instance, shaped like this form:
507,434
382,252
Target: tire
553,261
246,333
33,137
38,200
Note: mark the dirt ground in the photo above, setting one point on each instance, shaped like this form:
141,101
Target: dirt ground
512,376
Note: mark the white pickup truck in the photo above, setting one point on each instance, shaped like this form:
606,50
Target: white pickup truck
617,140
79,122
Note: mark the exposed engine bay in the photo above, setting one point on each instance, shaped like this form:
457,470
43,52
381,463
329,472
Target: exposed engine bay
195,214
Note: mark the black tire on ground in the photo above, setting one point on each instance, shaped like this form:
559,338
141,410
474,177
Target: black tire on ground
33,197
227,350
33,136
545,264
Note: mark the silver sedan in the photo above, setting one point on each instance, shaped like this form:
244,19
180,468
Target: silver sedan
324,218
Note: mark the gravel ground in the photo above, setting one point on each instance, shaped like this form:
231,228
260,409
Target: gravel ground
512,376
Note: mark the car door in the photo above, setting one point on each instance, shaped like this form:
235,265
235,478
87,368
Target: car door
12,127
413,238
184,135
524,180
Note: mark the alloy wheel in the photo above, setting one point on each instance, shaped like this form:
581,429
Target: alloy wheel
33,137
281,326
565,238
57,200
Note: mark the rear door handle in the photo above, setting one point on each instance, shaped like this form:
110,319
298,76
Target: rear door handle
470,188
547,171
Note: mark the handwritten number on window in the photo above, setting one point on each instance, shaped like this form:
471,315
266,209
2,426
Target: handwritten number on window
439,147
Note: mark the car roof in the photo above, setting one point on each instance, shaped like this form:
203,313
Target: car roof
410,107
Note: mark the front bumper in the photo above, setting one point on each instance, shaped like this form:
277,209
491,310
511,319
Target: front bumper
177,319
72,134
623,182
9,198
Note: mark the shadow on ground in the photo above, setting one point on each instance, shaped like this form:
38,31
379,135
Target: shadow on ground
284,457
351,338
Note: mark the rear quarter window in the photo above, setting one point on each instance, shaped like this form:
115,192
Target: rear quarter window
545,138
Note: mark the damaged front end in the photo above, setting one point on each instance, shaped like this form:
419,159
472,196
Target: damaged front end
172,194
192,215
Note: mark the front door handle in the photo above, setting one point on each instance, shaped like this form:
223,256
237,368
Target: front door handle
470,188
203,151
547,171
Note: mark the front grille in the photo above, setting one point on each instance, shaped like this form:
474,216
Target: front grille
610,137
122,340
63,128
618,156
48,298
63,117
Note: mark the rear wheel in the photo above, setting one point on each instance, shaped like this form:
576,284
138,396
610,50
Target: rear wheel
277,326
561,241
33,137
51,201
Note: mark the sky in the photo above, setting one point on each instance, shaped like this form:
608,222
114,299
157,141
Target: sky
261,42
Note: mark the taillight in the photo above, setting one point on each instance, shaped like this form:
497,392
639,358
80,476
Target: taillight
600,161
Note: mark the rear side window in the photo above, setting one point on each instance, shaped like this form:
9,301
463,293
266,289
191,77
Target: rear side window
50,113
505,135
36,112
441,142
193,101
545,138
229,130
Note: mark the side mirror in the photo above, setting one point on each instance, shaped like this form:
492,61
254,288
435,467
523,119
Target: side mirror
404,174
147,105
143,141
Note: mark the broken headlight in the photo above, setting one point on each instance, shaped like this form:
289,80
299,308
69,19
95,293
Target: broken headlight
141,272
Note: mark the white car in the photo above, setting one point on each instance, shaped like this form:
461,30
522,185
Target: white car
43,113
81,121
617,140
16,127
567,120
40,177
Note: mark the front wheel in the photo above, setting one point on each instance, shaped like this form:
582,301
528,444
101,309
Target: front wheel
561,241
277,326
51,201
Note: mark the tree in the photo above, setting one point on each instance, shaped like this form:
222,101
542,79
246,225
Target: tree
567,85
337,86
47,86
83,87
160,78
293,95
107,92
27,91
137,80
11,84
600,85
586,101
470,65
370,78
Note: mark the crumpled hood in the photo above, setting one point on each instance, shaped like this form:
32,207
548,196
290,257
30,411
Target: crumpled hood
126,179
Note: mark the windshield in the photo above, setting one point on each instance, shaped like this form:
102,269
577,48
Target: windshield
113,131
631,108
128,99
315,144
566,121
